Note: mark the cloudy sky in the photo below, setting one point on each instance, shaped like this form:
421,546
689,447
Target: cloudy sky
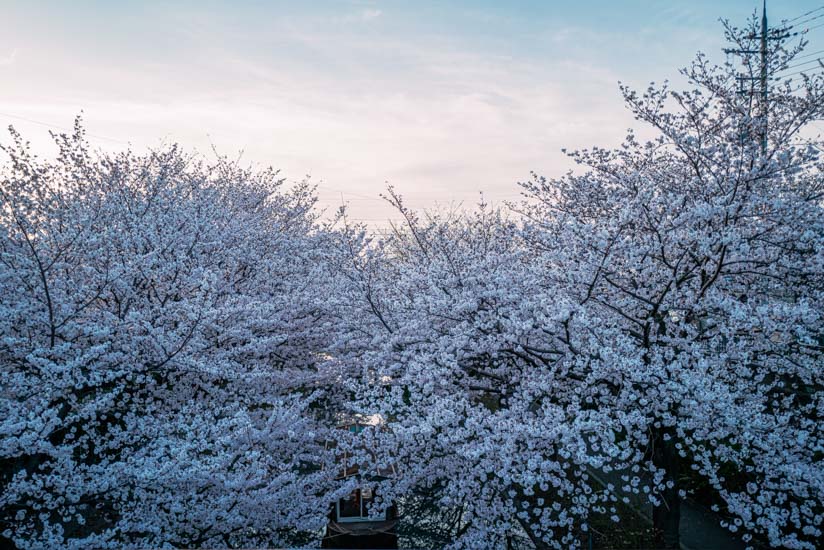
441,99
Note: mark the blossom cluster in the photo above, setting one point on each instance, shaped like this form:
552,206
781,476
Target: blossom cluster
181,339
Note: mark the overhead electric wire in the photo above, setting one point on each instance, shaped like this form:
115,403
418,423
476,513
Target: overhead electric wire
812,28
807,20
800,64
806,55
805,14
65,129
808,73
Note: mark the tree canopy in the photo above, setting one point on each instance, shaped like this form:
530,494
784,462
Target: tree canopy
180,338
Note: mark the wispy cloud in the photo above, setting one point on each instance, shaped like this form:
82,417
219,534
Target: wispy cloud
9,59
370,14
440,99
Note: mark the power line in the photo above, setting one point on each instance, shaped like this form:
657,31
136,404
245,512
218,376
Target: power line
813,28
65,129
807,55
808,20
336,190
783,76
347,199
797,88
352,200
387,219
800,64
806,14
430,197
359,196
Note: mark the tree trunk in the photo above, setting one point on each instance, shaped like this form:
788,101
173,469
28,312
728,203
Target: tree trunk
667,516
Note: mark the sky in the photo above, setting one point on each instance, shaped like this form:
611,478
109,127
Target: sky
443,100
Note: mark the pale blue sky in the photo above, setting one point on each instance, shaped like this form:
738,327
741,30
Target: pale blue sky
441,99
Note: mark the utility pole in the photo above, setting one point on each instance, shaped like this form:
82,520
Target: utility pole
763,76
765,110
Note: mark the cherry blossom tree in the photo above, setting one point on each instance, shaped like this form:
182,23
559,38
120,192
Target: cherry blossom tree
162,349
696,263
656,316
455,340
179,339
